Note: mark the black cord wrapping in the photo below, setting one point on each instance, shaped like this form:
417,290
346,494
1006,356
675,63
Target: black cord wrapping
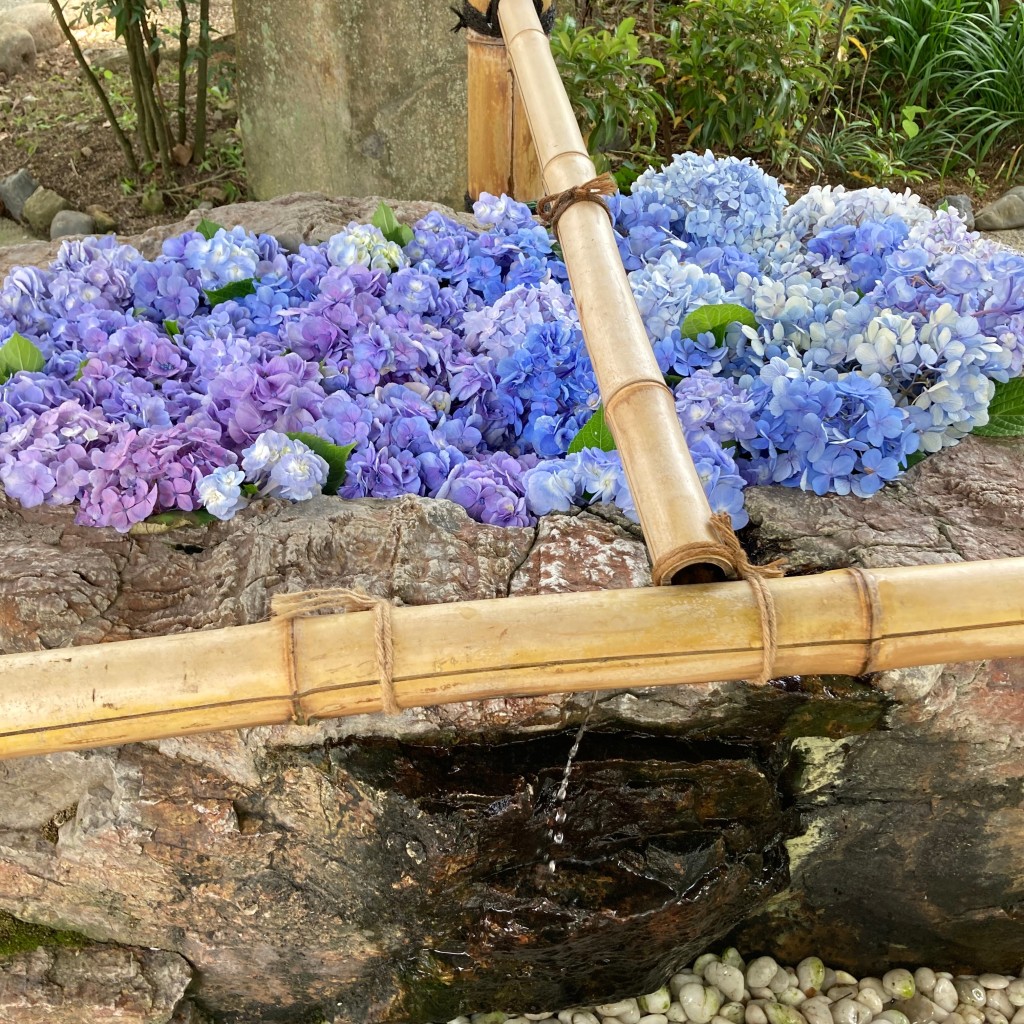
487,24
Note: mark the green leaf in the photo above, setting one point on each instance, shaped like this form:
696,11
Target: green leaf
207,228
1005,411
914,458
235,290
716,319
384,218
334,455
18,353
172,328
594,434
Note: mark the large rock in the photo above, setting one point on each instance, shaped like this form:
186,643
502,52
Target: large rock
98,984
353,98
15,189
36,19
17,50
1005,214
41,207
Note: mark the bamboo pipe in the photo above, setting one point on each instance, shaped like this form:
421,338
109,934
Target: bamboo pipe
501,156
850,621
639,408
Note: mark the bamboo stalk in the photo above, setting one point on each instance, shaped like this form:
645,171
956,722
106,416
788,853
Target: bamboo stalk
849,621
639,408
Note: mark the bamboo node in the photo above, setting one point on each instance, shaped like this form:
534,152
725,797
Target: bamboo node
289,607
551,207
755,575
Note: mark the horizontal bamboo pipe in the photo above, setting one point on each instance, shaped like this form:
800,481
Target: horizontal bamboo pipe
850,621
639,408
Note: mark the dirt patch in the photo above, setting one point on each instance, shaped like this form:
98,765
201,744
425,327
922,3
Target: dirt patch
52,124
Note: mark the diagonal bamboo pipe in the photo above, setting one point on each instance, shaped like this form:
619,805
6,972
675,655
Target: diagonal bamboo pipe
639,408
850,621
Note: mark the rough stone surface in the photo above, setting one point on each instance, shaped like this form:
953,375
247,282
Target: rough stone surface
17,50
103,221
1006,213
41,207
38,20
15,189
353,98
71,222
97,984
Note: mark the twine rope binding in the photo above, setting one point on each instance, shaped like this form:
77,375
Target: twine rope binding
755,575
551,207
289,607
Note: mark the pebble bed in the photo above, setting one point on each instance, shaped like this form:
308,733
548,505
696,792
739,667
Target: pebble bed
727,990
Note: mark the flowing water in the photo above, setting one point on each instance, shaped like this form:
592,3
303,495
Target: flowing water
556,834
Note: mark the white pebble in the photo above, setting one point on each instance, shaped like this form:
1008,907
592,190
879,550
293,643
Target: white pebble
871,999
732,1012
1015,992
869,982
838,992
615,1009
676,1013
781,981
994,1016
850,1011
893,1017
970,1013
677,981
538,1016
719,1019
653,1018
733,958
924,980
954,1018
792,997
655,1002
700,1002
998,999
994,980
701,963
565,1016
829,981
970,991
631,1016
728,980
585,1017
760,972
810,973
845,978
1018,1017
898,984
459,1020
763,993
816,1010
944,994
778,1013
754,1013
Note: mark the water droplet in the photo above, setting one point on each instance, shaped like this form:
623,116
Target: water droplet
558,838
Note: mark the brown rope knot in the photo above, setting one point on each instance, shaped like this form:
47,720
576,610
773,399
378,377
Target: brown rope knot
551,207
755,575
289,607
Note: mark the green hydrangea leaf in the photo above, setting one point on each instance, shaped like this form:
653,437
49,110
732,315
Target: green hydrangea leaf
716,319
172,328
207,228
235,290
335,455
385,220
1005,411
594,434
18,353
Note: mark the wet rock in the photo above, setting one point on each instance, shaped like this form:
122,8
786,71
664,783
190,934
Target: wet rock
98,984
962,204
41,207
37,19
17,50
14,190
71,222
1006,213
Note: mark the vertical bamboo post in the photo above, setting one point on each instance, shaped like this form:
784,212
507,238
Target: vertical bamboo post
639,408
501,156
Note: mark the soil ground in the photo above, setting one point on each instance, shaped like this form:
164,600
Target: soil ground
52,124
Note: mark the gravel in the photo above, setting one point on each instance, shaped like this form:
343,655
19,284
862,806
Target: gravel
727,989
